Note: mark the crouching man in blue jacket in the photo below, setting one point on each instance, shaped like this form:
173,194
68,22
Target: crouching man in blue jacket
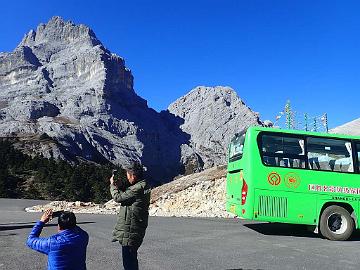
67,248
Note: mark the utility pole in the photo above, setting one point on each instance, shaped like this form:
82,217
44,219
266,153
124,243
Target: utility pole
288,115
324,120
315,124
306,121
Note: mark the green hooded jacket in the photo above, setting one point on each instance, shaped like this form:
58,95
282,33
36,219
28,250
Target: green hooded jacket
134,213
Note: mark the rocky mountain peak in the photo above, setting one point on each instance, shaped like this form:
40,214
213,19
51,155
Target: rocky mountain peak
59,31
212,115
217,96
61,81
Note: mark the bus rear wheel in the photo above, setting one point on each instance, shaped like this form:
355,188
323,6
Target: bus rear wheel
336,223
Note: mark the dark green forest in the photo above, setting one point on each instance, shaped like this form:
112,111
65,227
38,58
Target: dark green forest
23,176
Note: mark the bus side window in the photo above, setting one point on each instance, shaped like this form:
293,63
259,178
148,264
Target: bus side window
282,151
330,155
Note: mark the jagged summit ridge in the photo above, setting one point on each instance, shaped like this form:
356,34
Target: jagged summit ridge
58,30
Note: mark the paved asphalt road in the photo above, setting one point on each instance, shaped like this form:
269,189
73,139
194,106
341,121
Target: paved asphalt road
183,243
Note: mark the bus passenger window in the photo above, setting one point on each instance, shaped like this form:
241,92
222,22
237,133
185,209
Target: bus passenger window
330,155
282,151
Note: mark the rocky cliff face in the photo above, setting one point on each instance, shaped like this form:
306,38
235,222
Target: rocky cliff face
212,115
61,81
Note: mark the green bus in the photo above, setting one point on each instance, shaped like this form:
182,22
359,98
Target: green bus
296,177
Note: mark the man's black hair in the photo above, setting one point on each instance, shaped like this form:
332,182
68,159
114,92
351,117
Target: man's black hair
67,220
136,168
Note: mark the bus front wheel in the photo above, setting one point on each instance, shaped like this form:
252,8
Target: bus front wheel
336,223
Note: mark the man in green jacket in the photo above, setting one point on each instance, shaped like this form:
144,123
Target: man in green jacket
134,196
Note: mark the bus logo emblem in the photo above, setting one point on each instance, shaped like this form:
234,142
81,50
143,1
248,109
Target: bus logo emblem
292,180
274,179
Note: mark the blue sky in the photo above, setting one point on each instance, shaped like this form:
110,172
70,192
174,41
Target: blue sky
268,51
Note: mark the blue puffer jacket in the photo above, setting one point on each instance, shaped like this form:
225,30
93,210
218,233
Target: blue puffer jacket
66,250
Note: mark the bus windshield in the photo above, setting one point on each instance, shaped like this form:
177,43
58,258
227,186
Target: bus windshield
236,147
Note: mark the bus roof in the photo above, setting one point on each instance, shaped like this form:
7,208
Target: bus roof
303,132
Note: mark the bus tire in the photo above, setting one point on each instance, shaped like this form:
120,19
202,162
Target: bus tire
336,223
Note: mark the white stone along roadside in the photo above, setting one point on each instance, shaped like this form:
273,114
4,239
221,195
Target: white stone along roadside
197,195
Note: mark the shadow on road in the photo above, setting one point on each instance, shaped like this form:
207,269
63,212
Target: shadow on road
13,223
15,226
282,229
296,230
7,234
244,269
355,236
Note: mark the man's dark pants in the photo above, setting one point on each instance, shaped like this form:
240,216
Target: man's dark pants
129,255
